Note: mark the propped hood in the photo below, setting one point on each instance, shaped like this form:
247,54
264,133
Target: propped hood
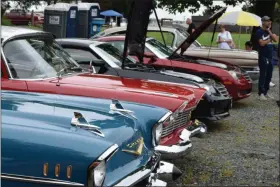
199,30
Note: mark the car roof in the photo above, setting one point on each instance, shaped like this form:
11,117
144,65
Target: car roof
9,32
116,38
116,29
81,42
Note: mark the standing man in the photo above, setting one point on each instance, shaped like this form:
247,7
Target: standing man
191,28
265,47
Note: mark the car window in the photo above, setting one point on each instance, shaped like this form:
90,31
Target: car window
168,36
37,58
81,55
118,44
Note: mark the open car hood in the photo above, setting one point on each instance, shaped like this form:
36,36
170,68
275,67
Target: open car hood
199,30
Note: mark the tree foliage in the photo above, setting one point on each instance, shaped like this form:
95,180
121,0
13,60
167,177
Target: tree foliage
192,5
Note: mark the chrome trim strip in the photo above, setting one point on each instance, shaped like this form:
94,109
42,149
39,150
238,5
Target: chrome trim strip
253,72
165,117
110,151
40,180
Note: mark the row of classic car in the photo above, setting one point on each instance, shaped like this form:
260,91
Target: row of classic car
76,113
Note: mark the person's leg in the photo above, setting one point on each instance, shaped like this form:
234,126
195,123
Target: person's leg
271,84
262,66
268,76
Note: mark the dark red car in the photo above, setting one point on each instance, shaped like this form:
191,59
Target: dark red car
20,17
236,80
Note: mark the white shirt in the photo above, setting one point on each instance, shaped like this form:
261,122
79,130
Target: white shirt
224,36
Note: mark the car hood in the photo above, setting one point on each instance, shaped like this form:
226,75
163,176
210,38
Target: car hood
199,30
55,115
134,86
59,110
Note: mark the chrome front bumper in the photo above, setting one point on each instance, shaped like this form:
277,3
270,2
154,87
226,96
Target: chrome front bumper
184,146
153,174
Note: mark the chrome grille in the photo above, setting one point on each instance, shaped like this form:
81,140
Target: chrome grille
182,119
221,89
247,77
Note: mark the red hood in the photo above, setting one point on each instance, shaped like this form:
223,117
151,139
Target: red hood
134,90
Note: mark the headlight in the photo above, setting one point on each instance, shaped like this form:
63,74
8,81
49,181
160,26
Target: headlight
157,132
97,174
210,89
235,75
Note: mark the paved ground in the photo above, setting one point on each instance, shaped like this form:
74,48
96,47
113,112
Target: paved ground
241,150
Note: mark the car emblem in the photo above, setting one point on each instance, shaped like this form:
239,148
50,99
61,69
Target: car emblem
138,144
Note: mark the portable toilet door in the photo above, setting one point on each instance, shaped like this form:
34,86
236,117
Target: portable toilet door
94,13
86,12
71,28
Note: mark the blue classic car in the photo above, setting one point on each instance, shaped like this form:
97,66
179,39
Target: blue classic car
58,140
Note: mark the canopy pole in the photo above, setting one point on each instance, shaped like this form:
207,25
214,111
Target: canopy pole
239,37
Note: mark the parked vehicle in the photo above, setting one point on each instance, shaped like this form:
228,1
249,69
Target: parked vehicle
248,60
32,61
46,141
21,17
107,59
235,80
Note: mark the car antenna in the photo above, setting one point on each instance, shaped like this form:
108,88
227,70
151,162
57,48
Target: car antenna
162,35
213,34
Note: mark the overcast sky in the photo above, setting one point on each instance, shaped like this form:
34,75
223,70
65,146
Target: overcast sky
165,14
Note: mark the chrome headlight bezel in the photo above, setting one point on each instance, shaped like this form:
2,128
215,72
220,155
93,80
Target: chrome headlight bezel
235,74
157,132
97,170
209,89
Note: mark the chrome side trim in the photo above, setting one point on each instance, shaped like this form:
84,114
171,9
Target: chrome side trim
39,180
108,153
165,117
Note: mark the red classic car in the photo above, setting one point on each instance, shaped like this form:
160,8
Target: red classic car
32,61
236,80
20,17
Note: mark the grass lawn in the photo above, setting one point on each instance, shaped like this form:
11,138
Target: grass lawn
204,39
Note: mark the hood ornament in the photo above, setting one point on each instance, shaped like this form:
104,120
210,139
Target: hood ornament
79,121
117,107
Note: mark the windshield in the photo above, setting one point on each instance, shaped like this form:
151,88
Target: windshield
182,36
38,58
160,48
114,54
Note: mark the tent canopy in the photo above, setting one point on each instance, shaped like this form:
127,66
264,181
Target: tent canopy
112,13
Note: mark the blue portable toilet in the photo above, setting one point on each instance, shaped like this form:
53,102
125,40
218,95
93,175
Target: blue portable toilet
96,25
61,20
88,14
